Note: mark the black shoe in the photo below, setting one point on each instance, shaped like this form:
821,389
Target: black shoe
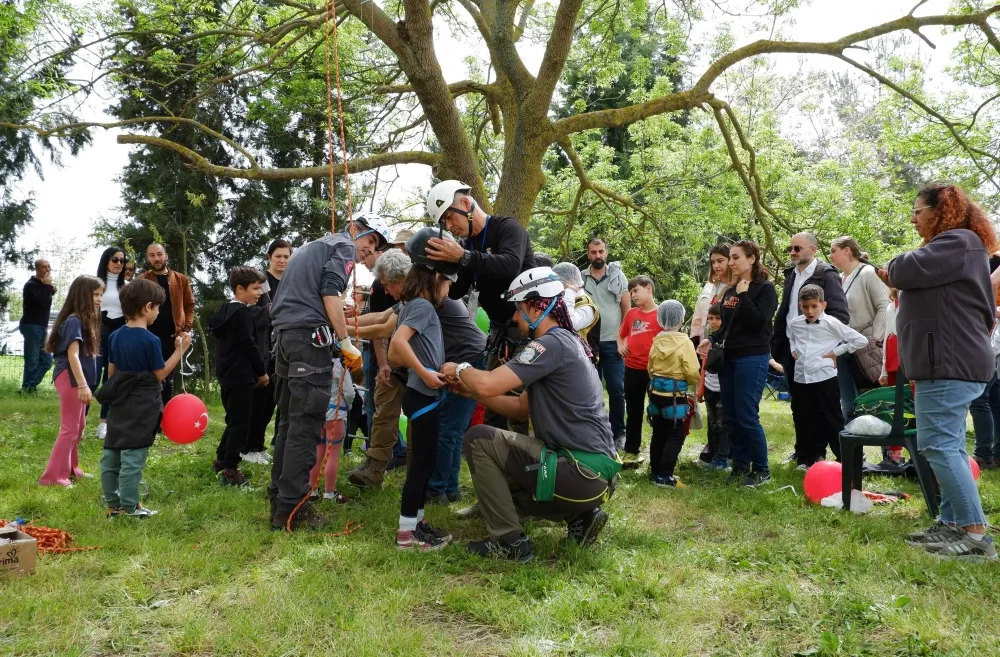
233,477
315,496
216,468
439,534
396,462
517,550
306,518
585,527
454,497
756,478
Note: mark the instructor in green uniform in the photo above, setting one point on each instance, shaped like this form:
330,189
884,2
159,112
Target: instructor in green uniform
568,469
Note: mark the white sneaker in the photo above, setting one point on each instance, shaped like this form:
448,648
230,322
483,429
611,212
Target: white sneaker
102,430
260,458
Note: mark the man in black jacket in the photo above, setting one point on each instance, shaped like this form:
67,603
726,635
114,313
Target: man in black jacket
34,322
240,369
805,270
493,251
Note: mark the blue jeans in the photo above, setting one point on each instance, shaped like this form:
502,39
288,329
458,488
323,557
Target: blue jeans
456,414
36,360
848,388
742,383
611,368
369,367
941,408
985,411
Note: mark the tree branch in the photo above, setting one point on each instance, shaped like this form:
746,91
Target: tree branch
457,88
359,165
556,52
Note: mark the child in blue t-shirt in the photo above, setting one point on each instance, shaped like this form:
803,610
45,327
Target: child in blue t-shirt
136,368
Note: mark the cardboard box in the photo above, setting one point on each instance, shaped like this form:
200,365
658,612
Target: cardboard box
18,557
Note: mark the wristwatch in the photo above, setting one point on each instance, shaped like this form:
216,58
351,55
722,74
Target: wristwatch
466,257
461,368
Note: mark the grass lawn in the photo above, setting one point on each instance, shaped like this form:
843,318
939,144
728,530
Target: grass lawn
701,570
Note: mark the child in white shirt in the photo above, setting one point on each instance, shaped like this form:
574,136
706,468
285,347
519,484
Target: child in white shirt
816,339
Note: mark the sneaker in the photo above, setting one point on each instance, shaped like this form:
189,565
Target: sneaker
631,461
418,539
802,467
663,481
216,468
993,464
936,533
469,512
755,479
454,497
426,528
102,430
440,499
700,463
139,512
337,497
396,462
718,466
519,550
960,544
259,458
233,477
620,442
737,472
792,458
114,512
585,527
315,497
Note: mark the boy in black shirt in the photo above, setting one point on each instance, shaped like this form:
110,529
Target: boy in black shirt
240,369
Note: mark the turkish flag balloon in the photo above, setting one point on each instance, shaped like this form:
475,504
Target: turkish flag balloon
185,419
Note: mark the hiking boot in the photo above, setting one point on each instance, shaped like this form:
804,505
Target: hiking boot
305,518
469,512
756,478
426,528
517,550
936,533
631,461
960,544
369,474
396,462
233,477
585,527
418,539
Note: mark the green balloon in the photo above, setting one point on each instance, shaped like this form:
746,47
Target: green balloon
482,321
402,426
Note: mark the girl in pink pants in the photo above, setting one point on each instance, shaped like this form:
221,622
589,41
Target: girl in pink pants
75,341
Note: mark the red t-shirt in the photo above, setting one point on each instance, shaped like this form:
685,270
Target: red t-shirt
639,328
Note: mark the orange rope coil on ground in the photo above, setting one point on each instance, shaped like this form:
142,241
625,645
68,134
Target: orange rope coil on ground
52,541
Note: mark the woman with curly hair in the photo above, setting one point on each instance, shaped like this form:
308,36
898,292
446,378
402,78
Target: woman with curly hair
946,313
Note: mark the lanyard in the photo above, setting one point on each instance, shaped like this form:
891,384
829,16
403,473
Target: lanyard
482,247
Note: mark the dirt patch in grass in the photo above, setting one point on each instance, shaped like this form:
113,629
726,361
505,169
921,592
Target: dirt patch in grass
466,635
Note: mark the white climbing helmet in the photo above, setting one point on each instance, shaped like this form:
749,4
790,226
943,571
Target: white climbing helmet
374,223
540,282
442,196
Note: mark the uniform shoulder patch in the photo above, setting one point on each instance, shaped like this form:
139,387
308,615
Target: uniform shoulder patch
531,353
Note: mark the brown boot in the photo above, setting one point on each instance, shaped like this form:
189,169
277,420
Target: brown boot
305,518
369,474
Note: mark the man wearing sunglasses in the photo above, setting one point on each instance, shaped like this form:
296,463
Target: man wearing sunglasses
805,270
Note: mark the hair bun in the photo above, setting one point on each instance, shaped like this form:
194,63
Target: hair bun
864,255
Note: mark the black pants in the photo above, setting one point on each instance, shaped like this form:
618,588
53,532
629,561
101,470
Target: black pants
718,435
818,419
636,382
423,437
238,402
303,397
665,447
263,409
108,326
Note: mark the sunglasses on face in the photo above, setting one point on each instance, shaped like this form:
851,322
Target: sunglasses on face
795,249
117,260
130,269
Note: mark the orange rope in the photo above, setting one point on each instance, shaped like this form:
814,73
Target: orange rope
331,19
53,541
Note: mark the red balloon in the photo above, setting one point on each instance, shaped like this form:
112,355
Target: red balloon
185,419
823,479
975,468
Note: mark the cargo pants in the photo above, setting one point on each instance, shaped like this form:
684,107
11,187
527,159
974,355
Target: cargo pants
305,377
497,461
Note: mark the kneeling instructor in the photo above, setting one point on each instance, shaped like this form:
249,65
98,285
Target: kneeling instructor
568,470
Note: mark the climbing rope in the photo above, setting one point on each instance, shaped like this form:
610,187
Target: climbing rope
331,27
52,541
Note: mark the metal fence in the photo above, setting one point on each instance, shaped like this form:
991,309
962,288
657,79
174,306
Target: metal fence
11,369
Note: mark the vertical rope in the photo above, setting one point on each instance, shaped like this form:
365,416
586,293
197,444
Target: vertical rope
331,19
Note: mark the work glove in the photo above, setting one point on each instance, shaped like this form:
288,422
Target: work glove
350,354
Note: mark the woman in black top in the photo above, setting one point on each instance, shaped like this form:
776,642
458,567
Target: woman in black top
748,307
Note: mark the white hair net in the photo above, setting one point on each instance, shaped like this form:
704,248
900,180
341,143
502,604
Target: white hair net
670,314
568,273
